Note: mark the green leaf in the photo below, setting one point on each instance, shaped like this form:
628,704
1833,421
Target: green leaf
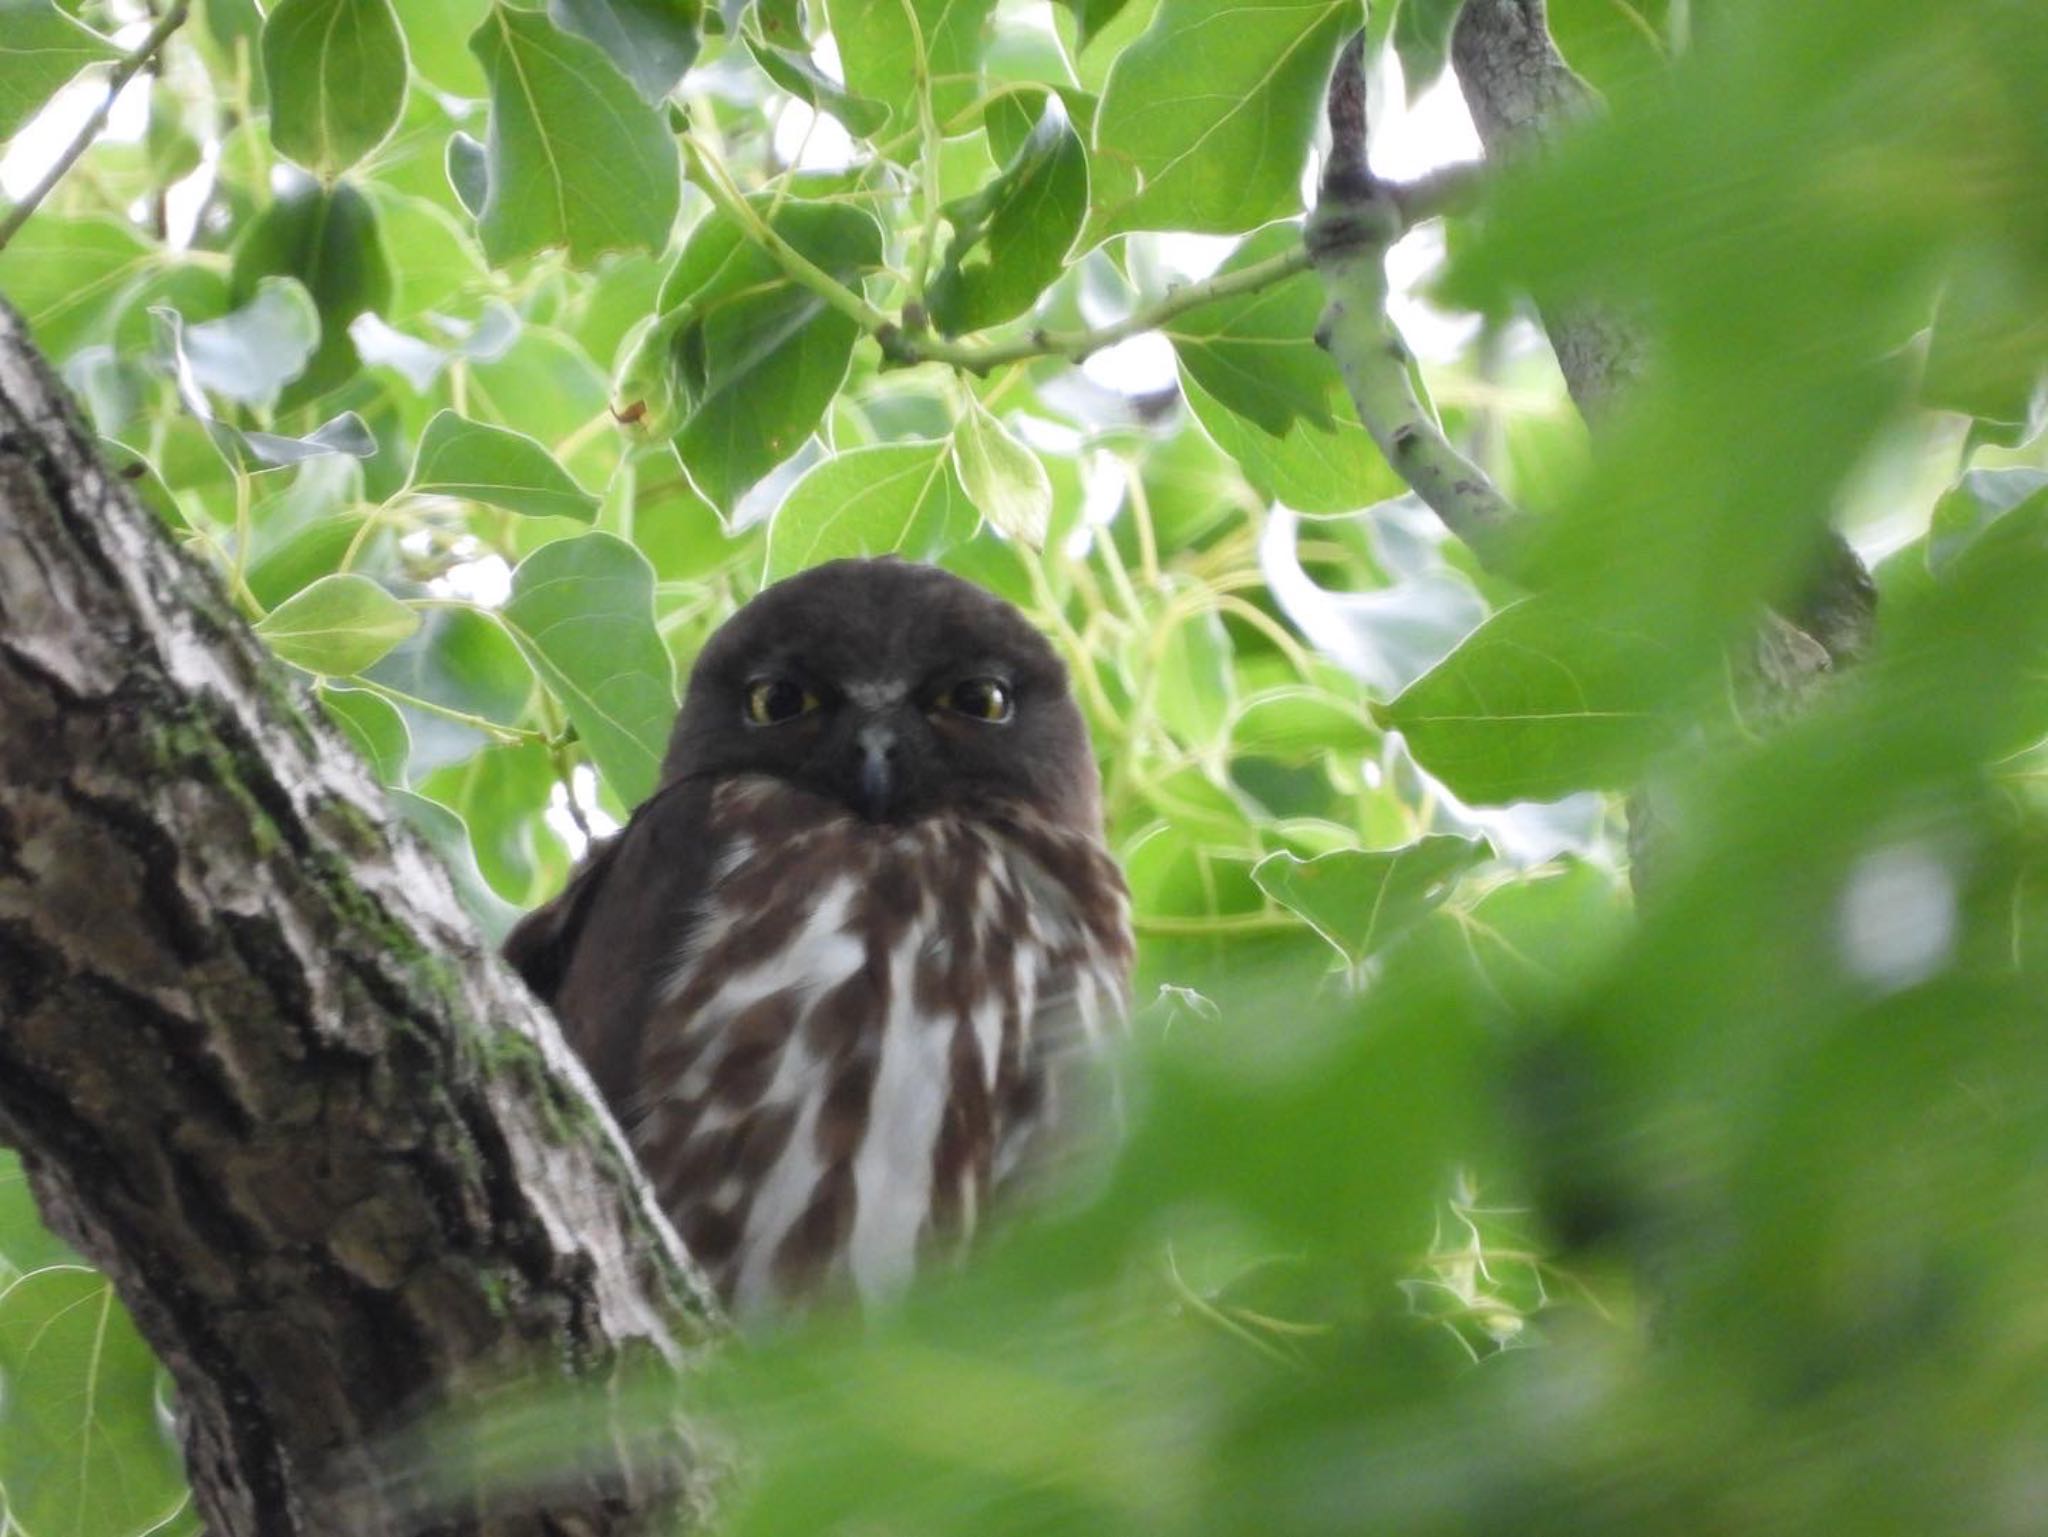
744,362
41,48
436,32
896,498
1300,724
796,74
1213,108
338,626
583,612
1010,240
1361,900
1973,505
25,1244
460,659
1090,17
1313,469
653,42
1256,354
1003,478
577,159
502,794
374,724
81,1451
336,73
68,277
327,238
497,466
1536,703
252,353
879,55
1194,686
1422,38
469,172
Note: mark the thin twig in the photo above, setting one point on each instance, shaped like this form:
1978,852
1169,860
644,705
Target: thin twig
124,71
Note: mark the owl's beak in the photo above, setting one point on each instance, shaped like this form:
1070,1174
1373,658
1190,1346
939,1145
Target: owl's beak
876,779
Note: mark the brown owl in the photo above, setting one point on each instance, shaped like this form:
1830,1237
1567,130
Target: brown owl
832,973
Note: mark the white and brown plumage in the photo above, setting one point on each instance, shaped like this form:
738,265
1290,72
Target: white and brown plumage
832,974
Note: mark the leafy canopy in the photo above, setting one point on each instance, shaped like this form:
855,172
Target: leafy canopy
493,354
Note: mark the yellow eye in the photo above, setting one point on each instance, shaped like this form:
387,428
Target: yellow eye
981,698
772,701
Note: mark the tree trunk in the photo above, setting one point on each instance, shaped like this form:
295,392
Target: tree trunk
260,1066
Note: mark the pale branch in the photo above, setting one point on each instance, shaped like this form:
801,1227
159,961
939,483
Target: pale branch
263,1071
125,70
1357,217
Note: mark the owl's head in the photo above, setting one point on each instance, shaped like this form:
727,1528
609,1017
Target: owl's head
897,689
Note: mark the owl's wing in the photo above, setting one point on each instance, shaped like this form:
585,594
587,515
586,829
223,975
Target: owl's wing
600,952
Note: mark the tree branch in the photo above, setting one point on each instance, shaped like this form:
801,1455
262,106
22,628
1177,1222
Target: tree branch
338,1163
124,71
1357,217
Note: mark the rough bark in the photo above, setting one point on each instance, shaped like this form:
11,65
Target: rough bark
262,1069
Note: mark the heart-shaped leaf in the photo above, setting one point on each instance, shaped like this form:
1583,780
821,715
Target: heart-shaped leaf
896,498
1361,900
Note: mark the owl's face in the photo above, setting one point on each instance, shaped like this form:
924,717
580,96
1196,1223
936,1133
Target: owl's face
898,690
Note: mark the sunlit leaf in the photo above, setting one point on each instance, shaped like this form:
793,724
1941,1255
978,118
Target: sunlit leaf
895,498
252,353
881,60
338,626
798,75
1003,478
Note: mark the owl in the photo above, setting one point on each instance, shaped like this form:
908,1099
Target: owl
836,976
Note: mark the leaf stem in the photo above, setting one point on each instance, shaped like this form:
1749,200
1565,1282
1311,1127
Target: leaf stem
126,70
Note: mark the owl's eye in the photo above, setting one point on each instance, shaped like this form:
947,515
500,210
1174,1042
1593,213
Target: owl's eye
772,701
982,698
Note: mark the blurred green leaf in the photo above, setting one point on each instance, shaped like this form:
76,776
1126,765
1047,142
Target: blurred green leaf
1422,38
65,276
583,612
577,159
1299,723
336,76
328,239
498,467
895,498
1534,704
1362,900
41,48
1214,110
252,353
338,626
